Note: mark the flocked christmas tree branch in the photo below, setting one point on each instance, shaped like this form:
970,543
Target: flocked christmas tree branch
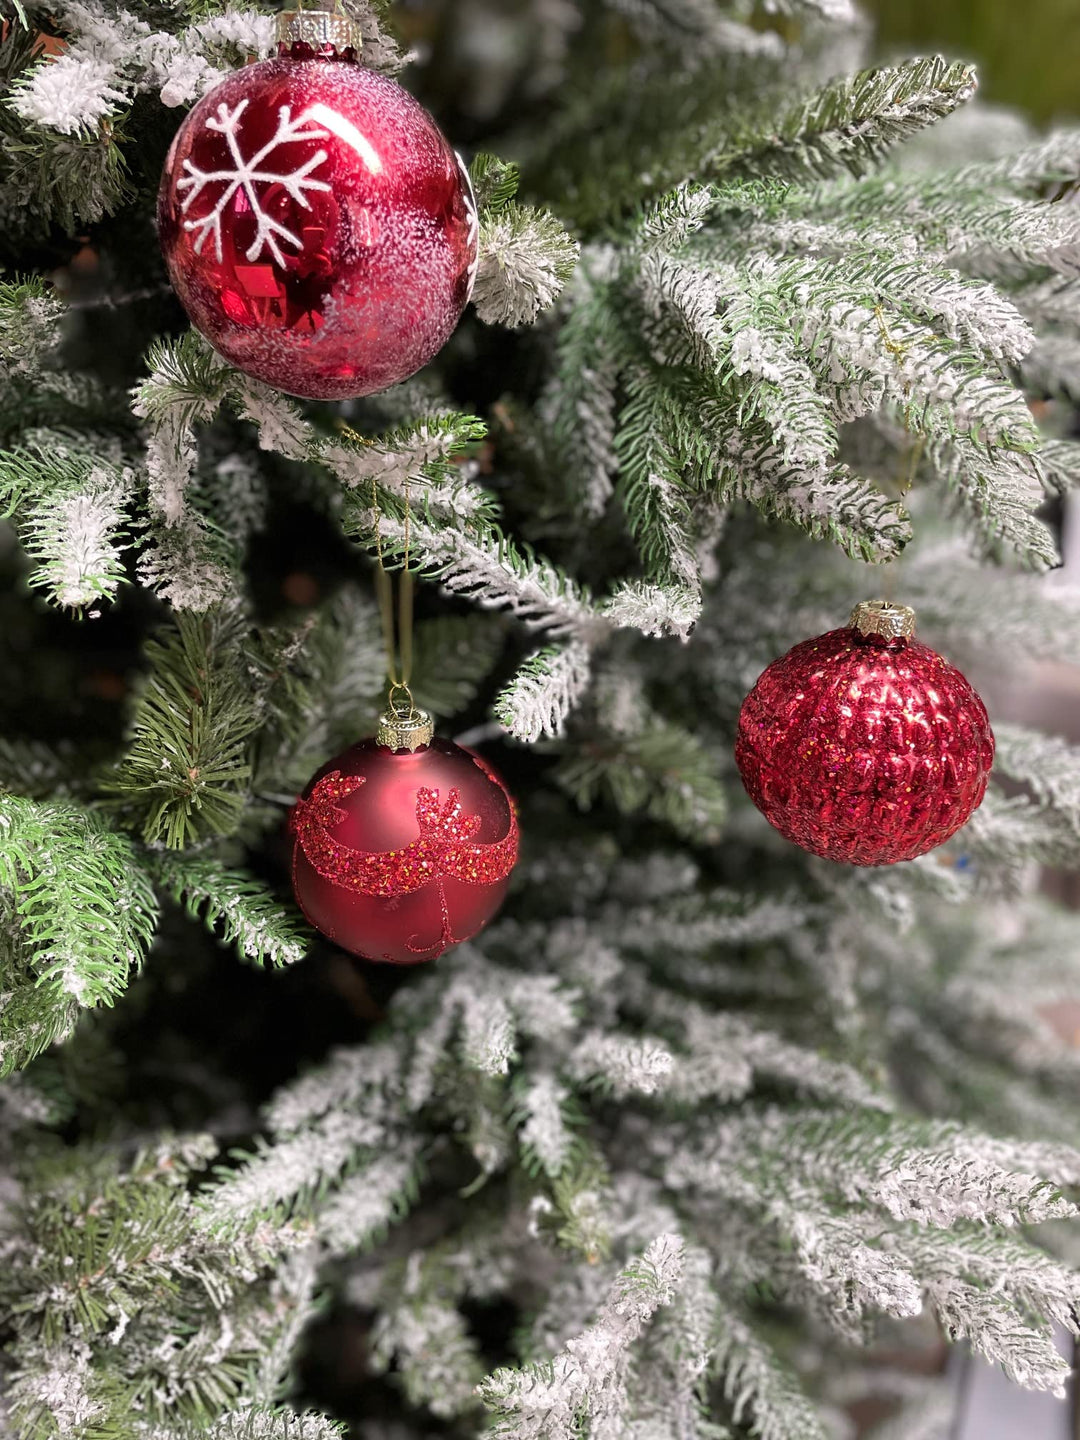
692,1066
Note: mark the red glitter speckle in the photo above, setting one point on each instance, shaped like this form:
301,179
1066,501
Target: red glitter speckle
863,751
444,847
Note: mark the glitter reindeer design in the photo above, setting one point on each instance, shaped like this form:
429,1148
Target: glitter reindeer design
247,174
445,849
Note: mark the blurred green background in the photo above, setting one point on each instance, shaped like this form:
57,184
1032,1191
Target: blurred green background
1028,50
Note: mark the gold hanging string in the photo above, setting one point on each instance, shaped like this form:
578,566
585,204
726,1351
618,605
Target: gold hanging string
904,486
399,647
906,480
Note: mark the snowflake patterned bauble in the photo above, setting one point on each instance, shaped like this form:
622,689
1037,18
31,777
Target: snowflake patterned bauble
317,226
863,745
403,845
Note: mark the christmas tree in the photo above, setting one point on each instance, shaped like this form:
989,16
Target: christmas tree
757,331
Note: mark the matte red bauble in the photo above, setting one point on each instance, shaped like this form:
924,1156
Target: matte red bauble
401,853
863,745
317,226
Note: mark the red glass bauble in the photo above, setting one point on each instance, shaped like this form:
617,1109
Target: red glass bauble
318,228
864,749
400,854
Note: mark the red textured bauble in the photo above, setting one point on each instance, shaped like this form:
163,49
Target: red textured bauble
318,228
399,854
863,745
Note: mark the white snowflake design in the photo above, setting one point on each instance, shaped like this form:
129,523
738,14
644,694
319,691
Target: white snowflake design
246,175
473,240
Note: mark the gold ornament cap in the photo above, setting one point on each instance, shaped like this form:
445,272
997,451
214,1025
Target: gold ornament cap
405,729
319,29
883,619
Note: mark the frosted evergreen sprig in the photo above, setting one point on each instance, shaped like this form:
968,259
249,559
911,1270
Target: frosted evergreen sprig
669,1387
656,608
879,1160
622,1064
409,451
651,486
350,1078
1006,834
579,403
277,1178
968,219
526,257
713,918
723,1056
112,56
539,698
78,538
422,1333
997,1332
250,1424
1045,763
542,1110
186,383
107,1264
487,1032
847,125
234,906
494,182
554,1398
762,1391
1000,491
367,1203
72,509
30,326
479,562
829,503
670,221
877,257
188,561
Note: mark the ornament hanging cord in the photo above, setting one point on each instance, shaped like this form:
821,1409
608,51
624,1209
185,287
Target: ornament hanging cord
398,656
399,648
904,486
907,479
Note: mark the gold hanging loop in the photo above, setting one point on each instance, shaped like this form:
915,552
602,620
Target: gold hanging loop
403,725
903,485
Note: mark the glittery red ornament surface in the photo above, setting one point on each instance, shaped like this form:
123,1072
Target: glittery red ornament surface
864,751
317,226
399,855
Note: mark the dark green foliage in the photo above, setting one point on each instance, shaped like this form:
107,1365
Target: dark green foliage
80,913
665,772
186,771
495,182
452,657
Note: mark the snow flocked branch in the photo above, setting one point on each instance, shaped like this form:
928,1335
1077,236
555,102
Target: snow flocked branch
580,1386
